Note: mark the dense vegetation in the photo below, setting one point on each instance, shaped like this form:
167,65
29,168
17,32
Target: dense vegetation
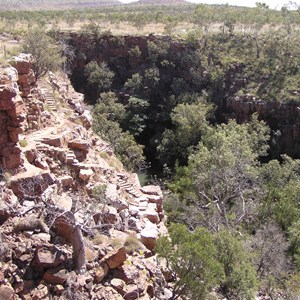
54,4
214,171
233,205
207,17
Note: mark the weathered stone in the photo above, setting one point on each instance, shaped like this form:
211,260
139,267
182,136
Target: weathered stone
31,185
64,226
66,181
119,285
46,237
4,212
135,224
56,276
55,141
22,63
151,190
23,287
86,119
85,174
151,213
48,257
12,120
100,273
84,279
59,289
41,163
41,292
31,155
133,210
149,236
90,254
1,277
108,215
132,292
79,145
107,292
115,258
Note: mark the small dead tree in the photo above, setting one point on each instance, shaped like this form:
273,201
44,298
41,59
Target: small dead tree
58,220
65,226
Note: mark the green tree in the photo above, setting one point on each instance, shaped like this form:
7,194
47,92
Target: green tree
99,77
240,276
109,106
136,115
46,53
152,77
281,183
107,115
190,121
192,257
134,83
224,172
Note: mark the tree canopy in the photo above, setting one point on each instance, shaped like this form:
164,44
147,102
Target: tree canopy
46,53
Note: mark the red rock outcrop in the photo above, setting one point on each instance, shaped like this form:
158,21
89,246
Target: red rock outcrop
12,120
283,119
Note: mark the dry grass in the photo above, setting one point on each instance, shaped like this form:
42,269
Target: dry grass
125,28
132,244
30,224
8,48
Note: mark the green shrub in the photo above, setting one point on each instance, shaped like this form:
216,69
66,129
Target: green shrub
23,143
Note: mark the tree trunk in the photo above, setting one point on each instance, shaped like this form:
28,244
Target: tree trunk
78,249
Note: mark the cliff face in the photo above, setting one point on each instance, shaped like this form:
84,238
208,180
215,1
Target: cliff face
283,118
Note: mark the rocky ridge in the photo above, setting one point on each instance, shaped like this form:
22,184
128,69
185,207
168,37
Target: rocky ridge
160,2
74,223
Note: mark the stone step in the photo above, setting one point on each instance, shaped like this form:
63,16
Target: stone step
42,148
125,185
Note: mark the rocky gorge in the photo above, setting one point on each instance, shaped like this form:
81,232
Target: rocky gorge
176,58
74,223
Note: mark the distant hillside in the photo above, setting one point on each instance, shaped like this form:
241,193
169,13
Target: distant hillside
54,4
161,2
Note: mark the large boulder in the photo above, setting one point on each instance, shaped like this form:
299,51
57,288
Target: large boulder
114,258
149,235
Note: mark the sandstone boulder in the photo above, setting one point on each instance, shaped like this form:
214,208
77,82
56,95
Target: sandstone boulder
149,236
100,273
115,258
119,285
66,181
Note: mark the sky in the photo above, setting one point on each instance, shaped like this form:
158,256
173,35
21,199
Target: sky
277,4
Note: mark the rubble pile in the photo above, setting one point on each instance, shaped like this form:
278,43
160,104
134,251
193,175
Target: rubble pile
74,223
